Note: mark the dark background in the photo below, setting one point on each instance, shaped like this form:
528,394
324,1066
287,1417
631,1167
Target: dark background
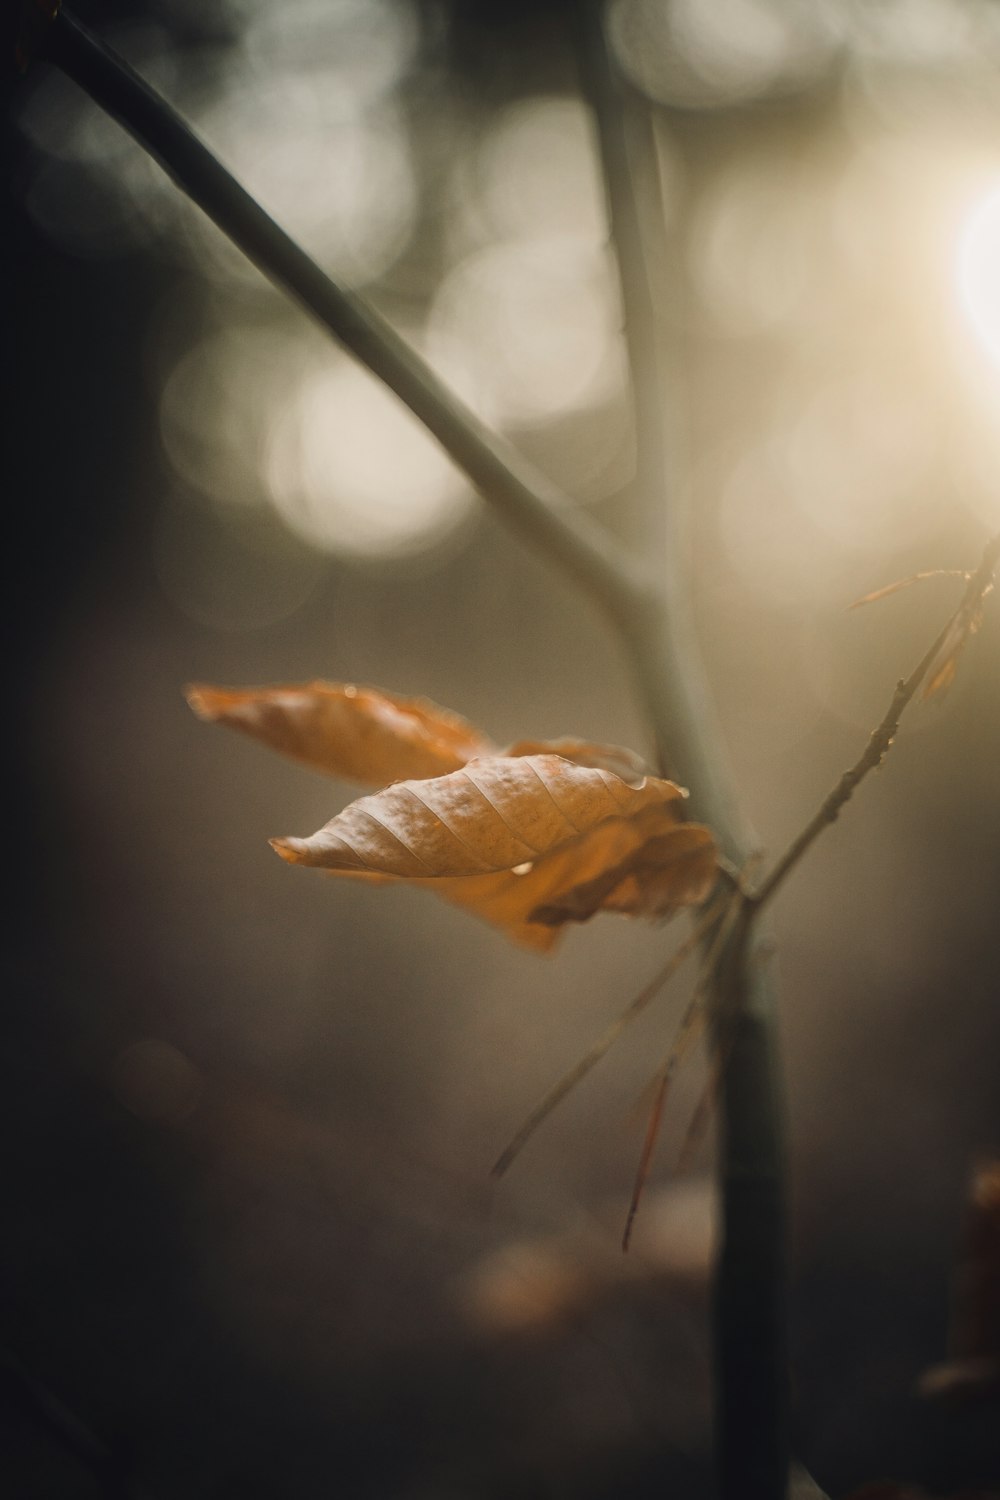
250,1246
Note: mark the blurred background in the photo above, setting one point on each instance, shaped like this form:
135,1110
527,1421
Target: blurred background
250,1239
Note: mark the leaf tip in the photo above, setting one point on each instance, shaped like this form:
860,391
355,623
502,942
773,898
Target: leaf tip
198,696
289,849
905,583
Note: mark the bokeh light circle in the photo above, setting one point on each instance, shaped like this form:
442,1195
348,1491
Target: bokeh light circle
352,471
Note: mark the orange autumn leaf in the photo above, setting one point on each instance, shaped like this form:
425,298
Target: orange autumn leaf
360,734
905,583
656,868
531,906
365,734
967,620
495,814
941,672
530,838
624,763
528,843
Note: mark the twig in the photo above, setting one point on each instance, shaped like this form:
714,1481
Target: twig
713,935
642,1171
591,1058
698,1122
880,740
690,1026
904,583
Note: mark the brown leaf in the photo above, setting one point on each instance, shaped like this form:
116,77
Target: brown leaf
357,733
941,672
494,814
527,842
904,583
648,869
532,906
624,763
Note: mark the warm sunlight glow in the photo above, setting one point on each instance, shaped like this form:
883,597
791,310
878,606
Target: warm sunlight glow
528,329
979,272
351,471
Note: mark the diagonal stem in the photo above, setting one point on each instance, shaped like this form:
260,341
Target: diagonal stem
574,1075
663,1080
527,500
688,1030
880,741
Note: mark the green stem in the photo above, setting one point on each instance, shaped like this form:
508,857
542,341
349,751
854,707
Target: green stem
750,1277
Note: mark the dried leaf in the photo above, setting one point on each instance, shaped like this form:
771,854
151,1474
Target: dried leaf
356,733
904,583
531,838
526,842
624,763
941,672
648,870
532,907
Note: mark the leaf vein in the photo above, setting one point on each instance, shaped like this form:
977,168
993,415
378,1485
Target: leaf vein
565,816
536,851
367,813
470,848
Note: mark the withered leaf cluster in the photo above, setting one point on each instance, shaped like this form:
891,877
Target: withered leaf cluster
529,838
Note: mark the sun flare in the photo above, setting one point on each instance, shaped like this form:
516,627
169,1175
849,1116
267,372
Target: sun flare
979,271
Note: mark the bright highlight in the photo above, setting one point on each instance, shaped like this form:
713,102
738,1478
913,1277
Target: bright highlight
979,272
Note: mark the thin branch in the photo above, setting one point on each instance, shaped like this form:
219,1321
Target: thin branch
664,647
616,128
530,502
691,1024
642,1171
727,1029
960,624
904,583
702,1112
568,1082
688,1030
750,1275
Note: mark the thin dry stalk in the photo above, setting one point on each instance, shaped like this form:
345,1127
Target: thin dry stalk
937,664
